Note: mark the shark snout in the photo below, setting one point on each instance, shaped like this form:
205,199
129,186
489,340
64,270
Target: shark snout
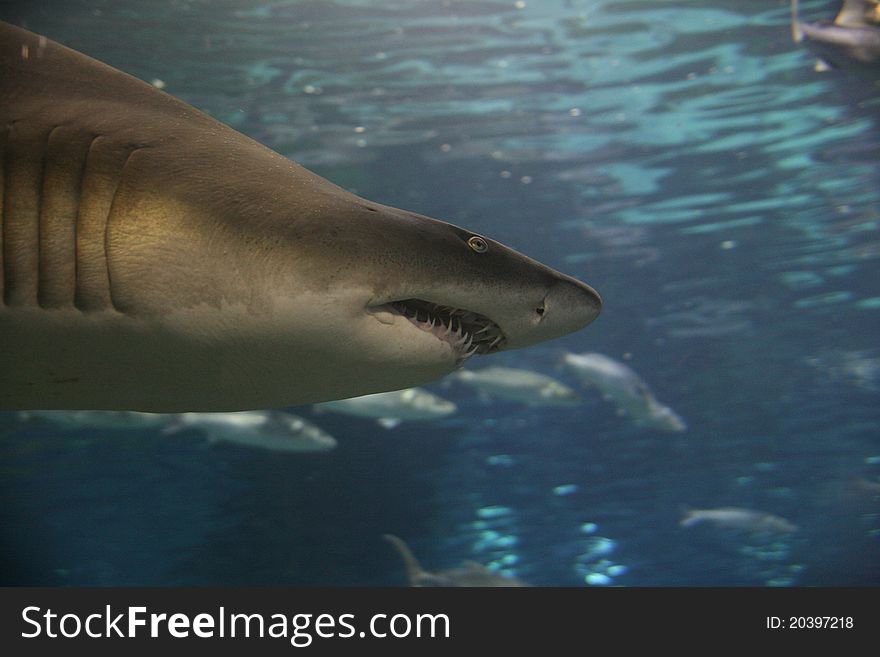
569,306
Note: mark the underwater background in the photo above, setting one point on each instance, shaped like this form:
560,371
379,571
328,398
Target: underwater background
683,158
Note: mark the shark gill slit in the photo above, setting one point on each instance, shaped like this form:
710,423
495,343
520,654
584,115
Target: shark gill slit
76,230
62,181
24,162
49,214
40,189
100,181
113,302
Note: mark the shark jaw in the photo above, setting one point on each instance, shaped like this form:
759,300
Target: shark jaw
466,332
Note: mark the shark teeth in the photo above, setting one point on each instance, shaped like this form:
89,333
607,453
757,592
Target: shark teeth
468,332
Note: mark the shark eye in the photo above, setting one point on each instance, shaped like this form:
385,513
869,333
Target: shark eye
478,244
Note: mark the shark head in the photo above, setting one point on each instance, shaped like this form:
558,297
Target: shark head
222,273
419,295
467,293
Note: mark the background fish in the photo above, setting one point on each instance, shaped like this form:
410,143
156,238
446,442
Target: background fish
520,385
730,517
391,408
270,430
619,383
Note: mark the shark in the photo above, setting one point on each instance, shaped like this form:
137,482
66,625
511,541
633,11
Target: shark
469,573
851,41
154,259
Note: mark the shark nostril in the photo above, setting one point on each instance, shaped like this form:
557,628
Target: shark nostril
540,311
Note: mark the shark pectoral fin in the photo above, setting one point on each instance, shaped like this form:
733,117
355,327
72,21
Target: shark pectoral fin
388,422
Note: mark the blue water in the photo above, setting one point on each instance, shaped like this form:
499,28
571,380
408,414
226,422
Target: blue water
684,158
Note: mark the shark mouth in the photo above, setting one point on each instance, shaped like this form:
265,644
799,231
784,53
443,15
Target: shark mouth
468,332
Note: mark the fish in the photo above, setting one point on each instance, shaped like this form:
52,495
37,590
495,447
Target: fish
851,41
393,407
274,431
521,385
470,573
155,259
620,384
270,430
111,420
747,520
